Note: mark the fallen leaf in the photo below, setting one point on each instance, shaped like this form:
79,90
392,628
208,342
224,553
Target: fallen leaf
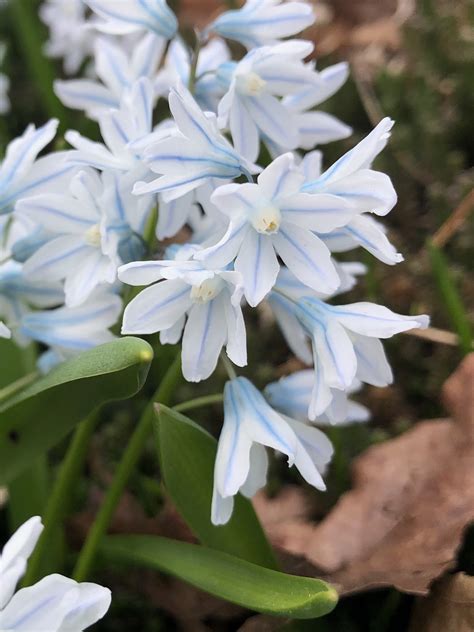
412,499
450,607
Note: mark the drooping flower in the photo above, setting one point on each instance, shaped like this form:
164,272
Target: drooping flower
117,73
241,461
261,22
55,603
70,330
346,345
22,173
193,155
201,304
69,36
273,218
291,395
131,16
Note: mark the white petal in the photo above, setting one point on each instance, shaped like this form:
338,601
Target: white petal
203,338
372,364
157,307
317,212
281,178
376,321
258,265
244,130
226,249
92,604
307,257
57,258
274,120
367,232
257,476
58,213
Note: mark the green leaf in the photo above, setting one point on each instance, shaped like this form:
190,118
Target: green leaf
187,455
226,576
38,417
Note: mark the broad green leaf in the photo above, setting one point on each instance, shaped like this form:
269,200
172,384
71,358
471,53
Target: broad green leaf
38,417
226,576
187,455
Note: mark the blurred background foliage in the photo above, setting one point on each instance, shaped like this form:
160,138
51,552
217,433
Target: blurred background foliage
412,60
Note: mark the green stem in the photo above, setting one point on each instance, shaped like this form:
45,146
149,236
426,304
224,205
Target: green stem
58,502
124,470
199,402
25,22
17,385
228,366
194,63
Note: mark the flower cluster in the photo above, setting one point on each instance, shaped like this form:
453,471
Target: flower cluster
231,176
55,603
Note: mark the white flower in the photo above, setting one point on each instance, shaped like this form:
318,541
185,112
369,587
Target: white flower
315,127
55,603
351,177
241,461
90,233
69,36
261,22
120,129
129,16
117,72
4,331
19,293
274,218
208,301
362,230
22,173
251,109
70,330
291,395
192,156
346,344
207,89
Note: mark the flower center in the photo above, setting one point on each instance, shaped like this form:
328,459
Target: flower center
251,84
266,219
207,290
93,236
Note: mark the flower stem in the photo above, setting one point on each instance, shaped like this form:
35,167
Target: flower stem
58,502
228,366
194,63
124,470
17,385
199,402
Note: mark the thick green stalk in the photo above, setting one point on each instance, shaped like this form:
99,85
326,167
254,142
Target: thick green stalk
58,503
125,468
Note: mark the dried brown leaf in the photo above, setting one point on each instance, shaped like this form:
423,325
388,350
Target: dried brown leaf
411,501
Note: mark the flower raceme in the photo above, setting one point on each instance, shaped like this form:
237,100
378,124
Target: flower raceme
55,603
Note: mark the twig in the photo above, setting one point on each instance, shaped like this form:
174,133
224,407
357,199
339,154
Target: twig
454,221
433,334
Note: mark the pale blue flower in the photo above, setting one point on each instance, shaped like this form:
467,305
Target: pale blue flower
22,173
70,330
121,130
69,35
129,16
192,156
346,345
362,230
273,218
19,293
117,72
351,177
55,603
92,229
291,395
241,460
4,331
201,304
207,88
250,107
261,22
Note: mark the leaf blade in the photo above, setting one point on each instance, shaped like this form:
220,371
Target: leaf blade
115,370
187,454
225,576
